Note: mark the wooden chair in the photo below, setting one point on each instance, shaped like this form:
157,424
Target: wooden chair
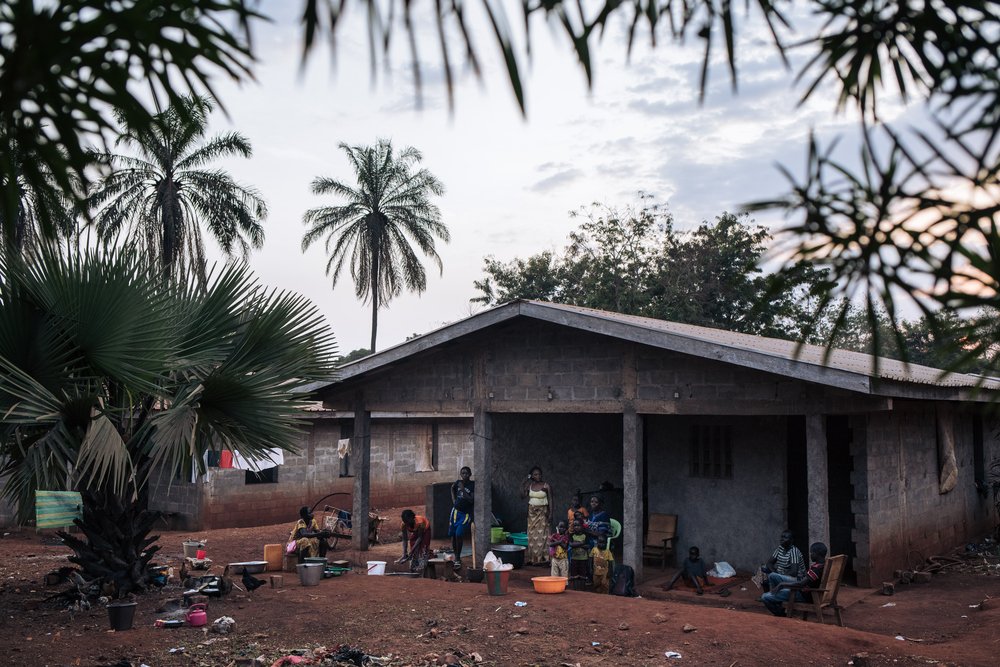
661,537
823,596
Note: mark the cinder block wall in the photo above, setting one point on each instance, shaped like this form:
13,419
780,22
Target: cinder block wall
909,519
179,499
573,451
395,481
223,498
735,520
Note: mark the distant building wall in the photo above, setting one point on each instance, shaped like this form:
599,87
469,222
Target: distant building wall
736,520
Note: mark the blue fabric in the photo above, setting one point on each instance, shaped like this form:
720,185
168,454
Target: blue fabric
458,523
775,602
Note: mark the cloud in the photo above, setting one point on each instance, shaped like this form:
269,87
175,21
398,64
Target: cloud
556,180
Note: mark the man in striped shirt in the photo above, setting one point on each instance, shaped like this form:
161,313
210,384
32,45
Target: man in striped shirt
775,600
786,563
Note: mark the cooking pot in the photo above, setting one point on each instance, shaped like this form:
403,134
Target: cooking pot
197,615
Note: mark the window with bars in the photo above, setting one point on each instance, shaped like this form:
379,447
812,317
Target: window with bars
712,451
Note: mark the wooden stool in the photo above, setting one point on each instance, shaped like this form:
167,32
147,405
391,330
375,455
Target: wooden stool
435,568
276,581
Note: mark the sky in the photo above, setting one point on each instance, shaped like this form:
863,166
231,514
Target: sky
511,180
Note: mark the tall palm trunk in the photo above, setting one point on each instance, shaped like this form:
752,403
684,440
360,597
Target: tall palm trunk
375,267
169,224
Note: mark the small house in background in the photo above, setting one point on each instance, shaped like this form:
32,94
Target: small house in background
739,436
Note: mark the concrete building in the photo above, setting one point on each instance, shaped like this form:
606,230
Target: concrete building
738,435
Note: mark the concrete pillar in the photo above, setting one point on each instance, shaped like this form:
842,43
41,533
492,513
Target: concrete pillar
633,475
482,466
361,457
818,480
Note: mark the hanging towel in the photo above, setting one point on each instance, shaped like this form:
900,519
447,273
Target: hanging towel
343,447
268,459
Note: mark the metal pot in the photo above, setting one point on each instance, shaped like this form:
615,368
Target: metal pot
510,553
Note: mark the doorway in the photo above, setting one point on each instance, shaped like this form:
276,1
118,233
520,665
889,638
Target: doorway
840,465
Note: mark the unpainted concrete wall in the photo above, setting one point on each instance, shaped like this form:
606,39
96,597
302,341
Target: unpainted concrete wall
908,518
573,451
736,520
223,498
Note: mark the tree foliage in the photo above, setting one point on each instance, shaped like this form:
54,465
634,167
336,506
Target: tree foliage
65,66
634,261
162,190
387,210
107,375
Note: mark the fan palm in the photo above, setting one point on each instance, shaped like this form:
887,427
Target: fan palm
389,209
158,196
107,377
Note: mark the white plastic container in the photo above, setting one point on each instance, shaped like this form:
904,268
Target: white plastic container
376,567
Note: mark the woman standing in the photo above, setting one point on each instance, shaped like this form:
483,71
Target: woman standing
539,495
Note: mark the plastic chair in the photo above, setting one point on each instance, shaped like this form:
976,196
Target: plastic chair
616,531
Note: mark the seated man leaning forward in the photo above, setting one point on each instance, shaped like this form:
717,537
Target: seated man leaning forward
780,590
416,540
785,564
306,533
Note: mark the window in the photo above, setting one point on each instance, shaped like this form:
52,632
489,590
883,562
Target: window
265,476
712,451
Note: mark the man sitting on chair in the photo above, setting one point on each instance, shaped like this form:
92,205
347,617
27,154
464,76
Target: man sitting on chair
775,599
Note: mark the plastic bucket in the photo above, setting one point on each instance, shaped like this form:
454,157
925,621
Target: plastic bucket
191,549
121,615
496,581
310,574
376,567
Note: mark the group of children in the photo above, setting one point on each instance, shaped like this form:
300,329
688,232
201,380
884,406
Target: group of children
579,549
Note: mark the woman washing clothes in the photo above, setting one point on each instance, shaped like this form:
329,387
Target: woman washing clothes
539,495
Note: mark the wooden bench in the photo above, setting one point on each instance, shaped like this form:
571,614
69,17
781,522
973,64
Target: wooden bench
823,596
661,536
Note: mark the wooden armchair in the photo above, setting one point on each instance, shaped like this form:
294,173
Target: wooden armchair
823,596
661,537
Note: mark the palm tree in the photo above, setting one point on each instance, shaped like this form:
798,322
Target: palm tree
42,210
107,377
159,196
388,210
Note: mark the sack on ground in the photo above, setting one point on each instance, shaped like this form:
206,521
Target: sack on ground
722,570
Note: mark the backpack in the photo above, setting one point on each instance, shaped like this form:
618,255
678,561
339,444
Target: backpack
623,581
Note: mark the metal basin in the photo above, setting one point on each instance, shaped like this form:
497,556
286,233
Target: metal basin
510,553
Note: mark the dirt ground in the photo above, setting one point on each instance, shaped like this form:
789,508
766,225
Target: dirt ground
953,620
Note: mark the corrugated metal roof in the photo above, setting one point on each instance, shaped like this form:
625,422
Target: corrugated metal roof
844,360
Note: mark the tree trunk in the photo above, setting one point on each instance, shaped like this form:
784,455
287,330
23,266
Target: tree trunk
375,303
117,547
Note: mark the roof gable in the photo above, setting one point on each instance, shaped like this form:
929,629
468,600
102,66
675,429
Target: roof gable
853,371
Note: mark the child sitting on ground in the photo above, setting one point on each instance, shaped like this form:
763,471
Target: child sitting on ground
559,551
692,569
579,554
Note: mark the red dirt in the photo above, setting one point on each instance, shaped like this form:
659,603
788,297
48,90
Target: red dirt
421,621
